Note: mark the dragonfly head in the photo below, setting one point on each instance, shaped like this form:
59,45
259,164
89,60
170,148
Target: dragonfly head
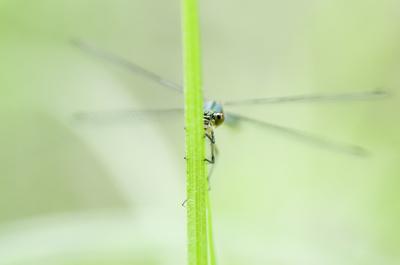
218,118
215,111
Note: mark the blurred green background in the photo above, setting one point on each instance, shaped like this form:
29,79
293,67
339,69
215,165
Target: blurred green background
73,193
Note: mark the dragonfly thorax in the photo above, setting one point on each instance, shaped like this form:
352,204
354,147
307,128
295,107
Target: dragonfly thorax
213,114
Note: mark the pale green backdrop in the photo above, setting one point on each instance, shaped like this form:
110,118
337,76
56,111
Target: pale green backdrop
82,193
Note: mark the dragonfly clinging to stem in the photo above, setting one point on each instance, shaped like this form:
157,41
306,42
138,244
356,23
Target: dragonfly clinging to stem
214,114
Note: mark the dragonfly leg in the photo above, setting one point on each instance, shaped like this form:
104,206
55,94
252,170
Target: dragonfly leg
211,137
211,170
214,152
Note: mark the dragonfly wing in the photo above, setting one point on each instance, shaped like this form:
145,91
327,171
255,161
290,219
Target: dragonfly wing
118,116
130,66
307,137
351,96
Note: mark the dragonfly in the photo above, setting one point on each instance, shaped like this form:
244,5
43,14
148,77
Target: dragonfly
214,114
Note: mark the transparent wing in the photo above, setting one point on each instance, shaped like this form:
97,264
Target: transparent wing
307,137
352,96
118,116
130,66
134,68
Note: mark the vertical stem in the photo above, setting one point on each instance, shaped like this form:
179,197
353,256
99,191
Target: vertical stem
210,238
196,180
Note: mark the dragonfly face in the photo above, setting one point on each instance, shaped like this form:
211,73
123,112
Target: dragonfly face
213,114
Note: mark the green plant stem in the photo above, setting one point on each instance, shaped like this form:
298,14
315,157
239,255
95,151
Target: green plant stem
196,180
212,259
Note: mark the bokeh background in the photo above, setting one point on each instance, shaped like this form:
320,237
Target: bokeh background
75,193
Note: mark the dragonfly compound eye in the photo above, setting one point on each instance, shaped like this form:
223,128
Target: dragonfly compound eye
218,118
